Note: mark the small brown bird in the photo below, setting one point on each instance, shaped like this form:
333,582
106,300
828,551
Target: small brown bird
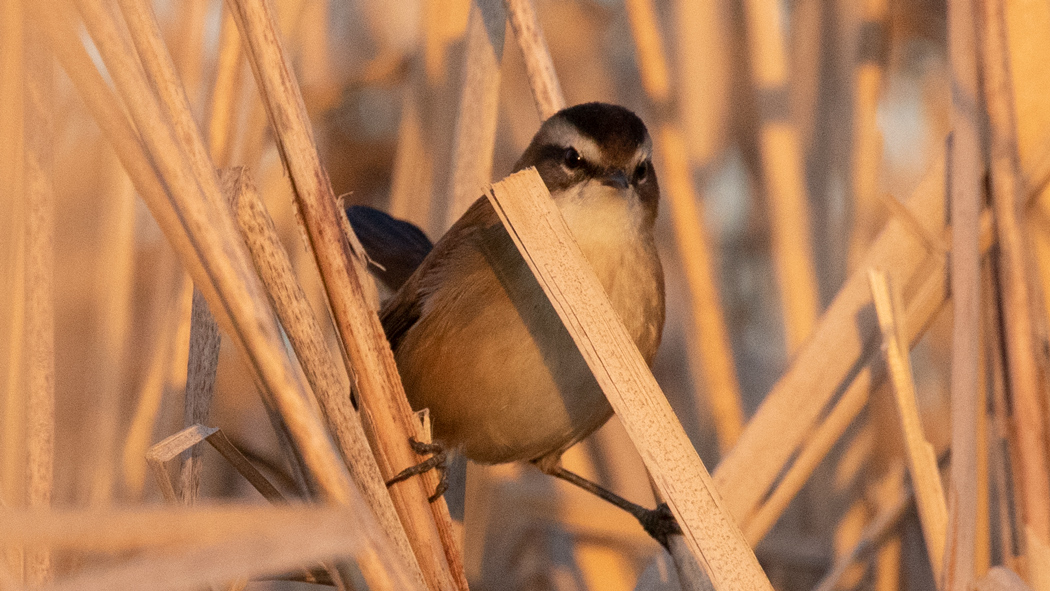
475,338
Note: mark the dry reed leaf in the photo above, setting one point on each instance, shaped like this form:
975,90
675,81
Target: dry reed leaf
226,93
866,156
703,77
524,205
652,61
922,460
115,303
713,345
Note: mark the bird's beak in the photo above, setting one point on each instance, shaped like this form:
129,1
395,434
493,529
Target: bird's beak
616,179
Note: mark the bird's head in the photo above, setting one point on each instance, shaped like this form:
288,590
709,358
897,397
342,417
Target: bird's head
595,149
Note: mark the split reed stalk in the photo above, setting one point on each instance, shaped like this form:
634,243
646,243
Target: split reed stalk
1024,382
40,290
351,294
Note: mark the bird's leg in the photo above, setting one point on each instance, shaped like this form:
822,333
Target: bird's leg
658,523
439,461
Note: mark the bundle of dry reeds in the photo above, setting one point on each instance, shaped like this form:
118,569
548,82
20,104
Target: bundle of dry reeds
854,230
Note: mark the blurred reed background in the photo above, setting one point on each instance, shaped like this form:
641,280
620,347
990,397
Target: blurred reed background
798,145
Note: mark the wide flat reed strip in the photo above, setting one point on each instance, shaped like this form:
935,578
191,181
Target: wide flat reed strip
540,234
320,365
40,289
351,294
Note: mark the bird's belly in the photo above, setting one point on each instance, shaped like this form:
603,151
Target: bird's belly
507,385
493,362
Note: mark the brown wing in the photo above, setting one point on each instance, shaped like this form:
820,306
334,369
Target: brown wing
402,311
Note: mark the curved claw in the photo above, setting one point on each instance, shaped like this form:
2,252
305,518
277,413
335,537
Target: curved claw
438,461
660,523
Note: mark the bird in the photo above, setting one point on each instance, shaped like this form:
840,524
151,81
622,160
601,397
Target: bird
476,340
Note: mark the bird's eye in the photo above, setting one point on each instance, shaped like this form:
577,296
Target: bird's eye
641,172
572,159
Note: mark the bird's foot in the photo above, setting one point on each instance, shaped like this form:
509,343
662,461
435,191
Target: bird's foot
659,523
438,461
